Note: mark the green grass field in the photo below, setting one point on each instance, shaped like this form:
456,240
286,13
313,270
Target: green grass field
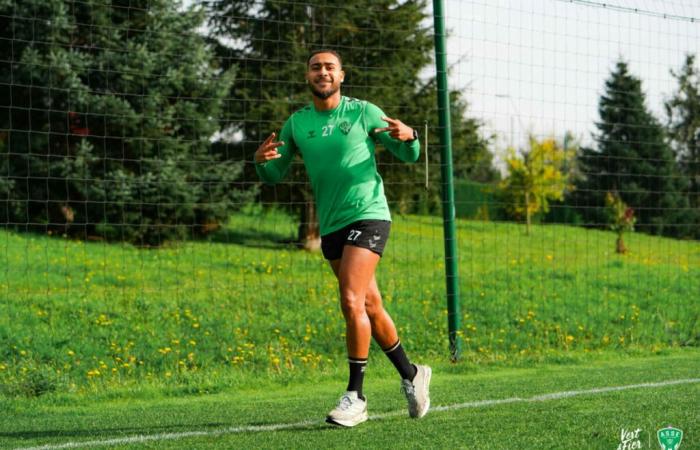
272,415
101,340
202,315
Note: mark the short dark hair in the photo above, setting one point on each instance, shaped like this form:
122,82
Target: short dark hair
324,50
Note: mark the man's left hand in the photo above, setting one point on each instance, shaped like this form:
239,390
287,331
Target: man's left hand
397,129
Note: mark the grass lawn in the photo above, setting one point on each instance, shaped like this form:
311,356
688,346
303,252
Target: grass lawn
95,316
583,419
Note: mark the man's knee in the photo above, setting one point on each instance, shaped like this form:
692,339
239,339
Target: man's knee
352,303
373,304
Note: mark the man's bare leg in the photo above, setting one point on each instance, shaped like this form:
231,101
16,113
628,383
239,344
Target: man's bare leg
355,271
382,326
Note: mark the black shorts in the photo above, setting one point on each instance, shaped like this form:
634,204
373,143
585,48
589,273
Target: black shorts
369,234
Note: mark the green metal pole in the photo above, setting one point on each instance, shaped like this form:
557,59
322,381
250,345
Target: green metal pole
448,200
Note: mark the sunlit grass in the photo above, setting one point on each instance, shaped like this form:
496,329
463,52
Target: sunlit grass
76,314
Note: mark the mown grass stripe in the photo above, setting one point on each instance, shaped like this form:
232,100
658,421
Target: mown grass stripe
307,423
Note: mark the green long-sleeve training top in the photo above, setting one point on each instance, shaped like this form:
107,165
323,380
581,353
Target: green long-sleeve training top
337,147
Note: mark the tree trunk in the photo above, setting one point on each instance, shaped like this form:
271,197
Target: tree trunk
620,245
309,236
528,218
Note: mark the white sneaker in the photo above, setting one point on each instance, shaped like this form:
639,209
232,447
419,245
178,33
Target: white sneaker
351,410
418,392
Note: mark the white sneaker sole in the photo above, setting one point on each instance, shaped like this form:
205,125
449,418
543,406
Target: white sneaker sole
348,422
428,374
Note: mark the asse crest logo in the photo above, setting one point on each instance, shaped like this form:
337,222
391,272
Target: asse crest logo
670,438
345,127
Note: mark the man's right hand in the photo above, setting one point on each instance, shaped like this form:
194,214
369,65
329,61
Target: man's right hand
268,150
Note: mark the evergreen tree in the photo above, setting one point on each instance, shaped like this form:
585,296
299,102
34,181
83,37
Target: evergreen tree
683,112
632,158
385,46
111,110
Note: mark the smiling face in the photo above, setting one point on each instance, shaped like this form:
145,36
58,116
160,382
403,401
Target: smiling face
324,75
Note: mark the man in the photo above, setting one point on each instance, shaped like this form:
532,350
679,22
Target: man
335,136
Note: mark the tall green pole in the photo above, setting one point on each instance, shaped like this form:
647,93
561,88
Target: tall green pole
448,200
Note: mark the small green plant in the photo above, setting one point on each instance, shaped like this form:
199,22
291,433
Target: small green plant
621,219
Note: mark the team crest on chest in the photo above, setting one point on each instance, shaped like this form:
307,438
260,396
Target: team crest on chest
345,127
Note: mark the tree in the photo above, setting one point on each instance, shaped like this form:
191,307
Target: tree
620,219
535,177
385,46
112,112
564,211
683,113
632,158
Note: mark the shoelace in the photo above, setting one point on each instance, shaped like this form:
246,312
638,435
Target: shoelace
408,389
344,403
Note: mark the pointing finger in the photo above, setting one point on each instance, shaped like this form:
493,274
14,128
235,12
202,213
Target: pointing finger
269,138
381,130
390,120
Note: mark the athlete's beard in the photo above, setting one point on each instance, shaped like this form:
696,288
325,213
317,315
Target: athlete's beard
324,94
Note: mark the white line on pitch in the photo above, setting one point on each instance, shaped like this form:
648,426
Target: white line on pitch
307,423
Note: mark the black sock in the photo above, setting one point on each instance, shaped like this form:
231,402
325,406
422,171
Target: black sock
398,357
357,375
